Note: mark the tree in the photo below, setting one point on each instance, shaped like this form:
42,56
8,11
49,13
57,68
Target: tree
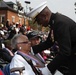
35,26
1,0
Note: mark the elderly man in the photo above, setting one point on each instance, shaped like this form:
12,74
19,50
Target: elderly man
64,32
23,57
23,46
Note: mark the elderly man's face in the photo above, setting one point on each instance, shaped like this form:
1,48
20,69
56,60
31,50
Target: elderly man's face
24,43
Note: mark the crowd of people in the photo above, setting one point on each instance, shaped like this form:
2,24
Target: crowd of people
28,52
12,42
9,50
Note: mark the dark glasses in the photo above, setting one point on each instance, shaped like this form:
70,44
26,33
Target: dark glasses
24,42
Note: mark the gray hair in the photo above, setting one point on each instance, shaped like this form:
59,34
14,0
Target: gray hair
14,41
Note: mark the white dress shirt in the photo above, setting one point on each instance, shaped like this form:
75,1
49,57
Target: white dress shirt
19,61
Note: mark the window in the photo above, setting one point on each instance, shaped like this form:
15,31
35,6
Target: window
2,18
13,18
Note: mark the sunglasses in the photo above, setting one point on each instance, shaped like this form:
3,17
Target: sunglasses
24,42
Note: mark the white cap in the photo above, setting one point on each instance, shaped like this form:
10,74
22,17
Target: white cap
34,12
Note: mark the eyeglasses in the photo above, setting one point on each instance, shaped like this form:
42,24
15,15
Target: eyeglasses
24,42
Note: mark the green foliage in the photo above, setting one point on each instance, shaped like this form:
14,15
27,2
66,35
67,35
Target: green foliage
47,29
35,26
1,0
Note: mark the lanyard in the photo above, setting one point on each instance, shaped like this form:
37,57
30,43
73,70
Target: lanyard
37,72
31,57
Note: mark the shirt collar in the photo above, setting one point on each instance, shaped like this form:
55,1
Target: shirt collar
52,19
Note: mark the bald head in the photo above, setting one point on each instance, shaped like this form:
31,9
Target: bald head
21,43
22,38
18,38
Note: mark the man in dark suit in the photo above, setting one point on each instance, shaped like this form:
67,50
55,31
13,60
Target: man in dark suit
64,31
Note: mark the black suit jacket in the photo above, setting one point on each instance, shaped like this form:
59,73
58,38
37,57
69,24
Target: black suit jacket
5,55
65,34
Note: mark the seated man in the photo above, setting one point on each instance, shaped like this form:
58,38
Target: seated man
22,57
5,54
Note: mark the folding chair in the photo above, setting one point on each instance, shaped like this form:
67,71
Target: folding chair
6,69
20,69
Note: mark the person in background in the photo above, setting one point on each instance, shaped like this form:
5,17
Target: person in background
23,30
8,24
35,39
17,28
11,33
33,35
64,31
5,54
1,72
8,47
